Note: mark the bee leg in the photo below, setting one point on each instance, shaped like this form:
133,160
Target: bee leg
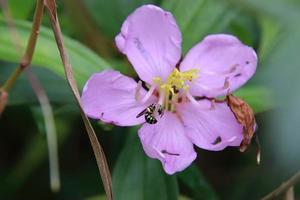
147,95
162,113
159,110
141,113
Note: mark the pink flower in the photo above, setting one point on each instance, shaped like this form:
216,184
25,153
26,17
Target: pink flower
178,104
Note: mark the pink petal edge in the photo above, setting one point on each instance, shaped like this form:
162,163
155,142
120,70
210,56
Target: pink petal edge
167,142
212,128
215,57
110,97
151,40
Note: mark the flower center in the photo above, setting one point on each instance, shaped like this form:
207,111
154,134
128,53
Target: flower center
174,87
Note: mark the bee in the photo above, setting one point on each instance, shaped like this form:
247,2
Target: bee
151,112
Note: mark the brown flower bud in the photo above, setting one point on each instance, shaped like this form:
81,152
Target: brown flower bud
245,116
3,100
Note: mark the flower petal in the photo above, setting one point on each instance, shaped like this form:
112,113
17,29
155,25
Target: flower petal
152,42
167,142
211,127
224,65
110,96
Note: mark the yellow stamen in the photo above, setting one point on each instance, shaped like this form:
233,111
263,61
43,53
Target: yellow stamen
176,82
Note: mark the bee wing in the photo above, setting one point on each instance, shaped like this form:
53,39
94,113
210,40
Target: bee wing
141,113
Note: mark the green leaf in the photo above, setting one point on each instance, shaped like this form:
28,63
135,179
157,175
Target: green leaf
38,119
109,15
56,87
198,188
245,27
281,10
137,177
270,36
258,97
197,18
98,197
183,198
21,8
84,61
32,156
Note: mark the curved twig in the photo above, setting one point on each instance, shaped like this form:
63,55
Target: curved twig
98,151
283,187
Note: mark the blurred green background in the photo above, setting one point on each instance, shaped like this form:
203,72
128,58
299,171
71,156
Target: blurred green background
272,27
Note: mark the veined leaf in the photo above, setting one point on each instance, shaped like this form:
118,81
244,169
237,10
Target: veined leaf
270,36
83,60
50,5
55,86
109,15
137,177
198,188
281,10
197,18
99,197
20,9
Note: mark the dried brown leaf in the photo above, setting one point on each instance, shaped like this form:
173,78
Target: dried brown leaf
245,116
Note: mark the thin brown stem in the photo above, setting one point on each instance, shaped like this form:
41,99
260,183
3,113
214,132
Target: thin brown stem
283,187
26,59
98,151
3,100
12,79
41,95
289,194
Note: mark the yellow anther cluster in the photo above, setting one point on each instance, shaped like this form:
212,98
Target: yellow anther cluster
175,82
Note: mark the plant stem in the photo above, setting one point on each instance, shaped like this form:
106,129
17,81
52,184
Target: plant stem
3,100
12,79
26,59
98,151
289,194
39,92
283,187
